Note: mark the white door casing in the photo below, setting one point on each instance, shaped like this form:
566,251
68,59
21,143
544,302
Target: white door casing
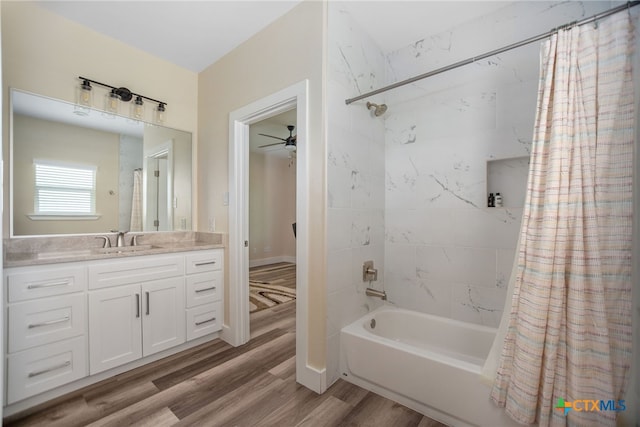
237,331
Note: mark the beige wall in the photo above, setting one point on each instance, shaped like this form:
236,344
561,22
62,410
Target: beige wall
272,207
286,52
44,53
42,139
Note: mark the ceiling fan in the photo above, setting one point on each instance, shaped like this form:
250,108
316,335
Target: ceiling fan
289,143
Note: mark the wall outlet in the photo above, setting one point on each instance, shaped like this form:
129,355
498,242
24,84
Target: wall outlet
225,198
267,249
212,225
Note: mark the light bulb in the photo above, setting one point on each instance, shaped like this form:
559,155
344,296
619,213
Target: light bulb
160,114
111,102
84,98
137,109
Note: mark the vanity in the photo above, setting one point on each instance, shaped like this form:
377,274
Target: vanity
81,302
74,317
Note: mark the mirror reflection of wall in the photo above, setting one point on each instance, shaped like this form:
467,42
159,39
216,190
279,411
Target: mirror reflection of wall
47,131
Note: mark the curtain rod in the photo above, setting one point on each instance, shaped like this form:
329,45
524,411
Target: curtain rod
471,60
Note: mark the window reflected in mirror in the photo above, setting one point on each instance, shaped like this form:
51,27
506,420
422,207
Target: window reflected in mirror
75,174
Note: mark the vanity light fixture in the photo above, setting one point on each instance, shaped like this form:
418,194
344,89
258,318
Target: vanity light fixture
84,98
113,99
159,114
137,109
111,103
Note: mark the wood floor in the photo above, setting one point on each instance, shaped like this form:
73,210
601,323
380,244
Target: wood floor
218,385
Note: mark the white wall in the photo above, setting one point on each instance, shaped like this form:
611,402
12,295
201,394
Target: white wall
446,253
355,177
45,53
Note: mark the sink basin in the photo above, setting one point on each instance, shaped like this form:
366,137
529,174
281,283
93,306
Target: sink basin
127,249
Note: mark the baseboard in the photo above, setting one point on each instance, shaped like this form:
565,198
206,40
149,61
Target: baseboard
272,260
312,378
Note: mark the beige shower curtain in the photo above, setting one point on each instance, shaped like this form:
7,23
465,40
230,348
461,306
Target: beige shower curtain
569,331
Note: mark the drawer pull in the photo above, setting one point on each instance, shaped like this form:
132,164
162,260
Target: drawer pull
53,368
213,288
48,285
205,321
48,322
200,264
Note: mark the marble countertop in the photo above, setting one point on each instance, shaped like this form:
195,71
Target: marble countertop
29,251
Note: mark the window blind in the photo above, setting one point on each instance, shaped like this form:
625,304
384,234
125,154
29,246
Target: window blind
61,189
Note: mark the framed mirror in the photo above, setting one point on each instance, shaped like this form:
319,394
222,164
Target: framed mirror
92,173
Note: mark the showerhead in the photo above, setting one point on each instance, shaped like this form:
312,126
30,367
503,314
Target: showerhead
378,110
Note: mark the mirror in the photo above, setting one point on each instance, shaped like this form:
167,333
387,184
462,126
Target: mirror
91,173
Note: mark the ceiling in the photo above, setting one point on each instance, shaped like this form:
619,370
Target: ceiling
195,34
191,34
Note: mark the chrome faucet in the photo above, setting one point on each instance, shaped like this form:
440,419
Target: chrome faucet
370,292
119,238
107,242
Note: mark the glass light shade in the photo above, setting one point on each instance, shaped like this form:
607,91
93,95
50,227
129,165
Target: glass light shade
111,103
84,98
137,109
160,114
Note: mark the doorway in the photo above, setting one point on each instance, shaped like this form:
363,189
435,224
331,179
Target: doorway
272,215
158,188
236,332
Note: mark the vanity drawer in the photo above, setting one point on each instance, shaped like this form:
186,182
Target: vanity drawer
45,367
203,320
37,282
142,269
44,321
204,261
203,288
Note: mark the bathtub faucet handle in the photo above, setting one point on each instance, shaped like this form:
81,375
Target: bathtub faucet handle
368,272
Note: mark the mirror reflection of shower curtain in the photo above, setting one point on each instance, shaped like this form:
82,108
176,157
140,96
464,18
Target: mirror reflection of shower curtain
136,202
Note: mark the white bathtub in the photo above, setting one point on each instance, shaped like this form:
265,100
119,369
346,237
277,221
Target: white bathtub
428,363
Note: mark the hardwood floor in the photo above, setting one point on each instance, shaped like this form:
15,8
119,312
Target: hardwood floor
218,385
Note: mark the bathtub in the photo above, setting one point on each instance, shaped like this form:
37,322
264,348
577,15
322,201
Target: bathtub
430,364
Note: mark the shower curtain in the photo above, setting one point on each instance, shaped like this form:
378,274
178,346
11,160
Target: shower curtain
569,333
136,202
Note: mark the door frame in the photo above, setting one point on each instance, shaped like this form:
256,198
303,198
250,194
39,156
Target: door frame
237,331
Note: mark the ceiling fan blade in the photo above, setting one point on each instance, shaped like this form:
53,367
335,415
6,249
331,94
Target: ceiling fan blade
270,145
271,136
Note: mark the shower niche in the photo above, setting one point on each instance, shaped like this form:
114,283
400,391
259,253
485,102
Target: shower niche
509,178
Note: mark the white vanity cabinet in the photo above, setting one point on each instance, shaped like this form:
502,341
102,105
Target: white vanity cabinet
45,328
135,309
204,284
70,321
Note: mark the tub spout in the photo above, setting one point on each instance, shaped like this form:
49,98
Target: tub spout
376,293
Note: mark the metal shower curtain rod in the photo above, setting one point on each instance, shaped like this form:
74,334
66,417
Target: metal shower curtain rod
471,60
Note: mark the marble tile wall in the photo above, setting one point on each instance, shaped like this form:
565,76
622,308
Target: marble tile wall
446,252
408,190
355,174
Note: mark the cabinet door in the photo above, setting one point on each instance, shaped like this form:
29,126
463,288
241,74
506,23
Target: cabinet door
114,327
163,324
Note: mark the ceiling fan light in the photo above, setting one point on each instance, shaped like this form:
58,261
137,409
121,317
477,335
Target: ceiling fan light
290,147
